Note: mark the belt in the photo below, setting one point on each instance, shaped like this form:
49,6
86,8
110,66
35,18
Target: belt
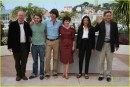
107,41
84,38
53,39
22,43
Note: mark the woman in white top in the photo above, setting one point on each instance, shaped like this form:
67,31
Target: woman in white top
85,44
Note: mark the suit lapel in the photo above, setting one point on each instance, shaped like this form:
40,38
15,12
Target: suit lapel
103,27
17,28
81,31
18,24
110,29
24,27
89,32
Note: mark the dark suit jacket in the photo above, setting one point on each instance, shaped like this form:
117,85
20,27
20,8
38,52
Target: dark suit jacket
114,38
14,36
91,36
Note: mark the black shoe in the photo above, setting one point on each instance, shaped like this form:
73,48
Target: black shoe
18,78
41,77
32,76
24,78
108,78
100,78
79,75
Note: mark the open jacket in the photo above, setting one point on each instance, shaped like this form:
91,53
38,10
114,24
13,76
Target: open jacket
14,36
114,38
91,37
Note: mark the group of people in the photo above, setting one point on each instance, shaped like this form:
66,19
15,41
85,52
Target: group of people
54,37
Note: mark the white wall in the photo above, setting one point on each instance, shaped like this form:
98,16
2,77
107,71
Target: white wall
73,67
93,66
4,51
123,49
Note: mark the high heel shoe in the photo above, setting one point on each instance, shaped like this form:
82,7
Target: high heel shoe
86,76
66,77
79,75
63,76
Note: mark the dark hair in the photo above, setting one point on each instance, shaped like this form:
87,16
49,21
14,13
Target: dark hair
106,12
54,11
66,18
82,23
39,15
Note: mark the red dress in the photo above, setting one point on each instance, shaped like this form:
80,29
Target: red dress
66,44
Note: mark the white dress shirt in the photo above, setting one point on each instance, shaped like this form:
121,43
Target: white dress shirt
85,32
22,34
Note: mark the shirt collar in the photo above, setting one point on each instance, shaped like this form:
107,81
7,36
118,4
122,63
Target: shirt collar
65,27
107,22
84,27
21,22
51,20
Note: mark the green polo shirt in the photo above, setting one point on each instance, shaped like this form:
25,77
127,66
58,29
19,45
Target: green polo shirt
38,37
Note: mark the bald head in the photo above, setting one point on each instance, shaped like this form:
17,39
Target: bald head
21,16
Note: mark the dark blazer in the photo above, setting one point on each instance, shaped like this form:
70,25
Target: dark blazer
114,38
91,36
14,36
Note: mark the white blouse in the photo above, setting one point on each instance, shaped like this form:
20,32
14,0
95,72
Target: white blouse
85,32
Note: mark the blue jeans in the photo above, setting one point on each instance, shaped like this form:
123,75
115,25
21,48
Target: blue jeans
38,50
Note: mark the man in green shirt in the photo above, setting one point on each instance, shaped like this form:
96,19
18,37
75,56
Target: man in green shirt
38,46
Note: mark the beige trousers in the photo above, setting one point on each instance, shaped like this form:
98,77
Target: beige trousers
105,53
52,46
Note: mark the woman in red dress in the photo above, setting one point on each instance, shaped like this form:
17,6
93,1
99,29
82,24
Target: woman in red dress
67,45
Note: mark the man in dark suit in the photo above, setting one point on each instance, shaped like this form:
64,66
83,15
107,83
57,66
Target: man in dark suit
107,42
19,43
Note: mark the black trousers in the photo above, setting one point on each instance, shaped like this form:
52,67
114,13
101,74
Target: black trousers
21,60
84,52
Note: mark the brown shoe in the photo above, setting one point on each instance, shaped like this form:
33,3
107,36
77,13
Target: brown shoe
55,76
24,78
18,78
